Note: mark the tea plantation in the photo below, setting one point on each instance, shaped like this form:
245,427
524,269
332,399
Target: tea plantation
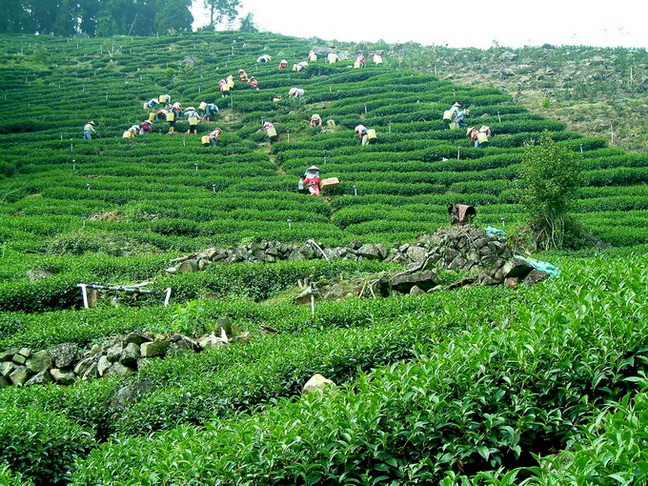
485,385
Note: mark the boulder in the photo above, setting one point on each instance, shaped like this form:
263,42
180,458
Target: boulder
4,383
187,266
425,280
416,290
119,369
370,252
40,378
63,377
6,367
534,277
355,245
462,282
19,375
210,341
64,355
8,354
36,273
113,353
103,365
137,337
130,394
516,268
19,359
317,383
296,255
39,361
154,348
130,354
416,253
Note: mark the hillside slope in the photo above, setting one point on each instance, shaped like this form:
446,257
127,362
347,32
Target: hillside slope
453,385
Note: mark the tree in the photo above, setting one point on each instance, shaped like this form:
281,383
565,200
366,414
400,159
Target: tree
174,16
247,24
549,181
220,9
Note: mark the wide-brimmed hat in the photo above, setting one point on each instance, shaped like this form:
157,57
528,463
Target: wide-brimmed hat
470,129
313,167
484,128
457,104
92,123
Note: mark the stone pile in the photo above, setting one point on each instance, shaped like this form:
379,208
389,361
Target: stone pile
123,354
460,248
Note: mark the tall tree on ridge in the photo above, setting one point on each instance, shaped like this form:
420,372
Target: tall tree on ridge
220,9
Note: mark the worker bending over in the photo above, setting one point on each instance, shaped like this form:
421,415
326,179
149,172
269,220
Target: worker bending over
254,84
210,110
271,132
264,58
243,77
361,130
296,92
283,64
316,120
145,127
214,136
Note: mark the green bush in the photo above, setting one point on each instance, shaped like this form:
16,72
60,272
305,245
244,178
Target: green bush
41,445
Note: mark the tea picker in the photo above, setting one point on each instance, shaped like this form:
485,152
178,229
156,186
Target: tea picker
316,120
271,132
312,183
210,110
193,117
366,135
212,138
88,130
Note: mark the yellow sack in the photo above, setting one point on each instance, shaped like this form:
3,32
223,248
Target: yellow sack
205,140
146,106
371,134
163,99
271,132
452,126
482,138
447,115
356,65
170,117
202,105
312,58
151,116
193,120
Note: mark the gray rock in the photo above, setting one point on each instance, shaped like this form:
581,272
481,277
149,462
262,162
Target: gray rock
119,369
309,252
458,263
416,290
137,337
416,253
318,383
130,394
534,277
296,255
103,365
4,383
6,367
40,378
154,348
39,361
130,354
64,355
26,352
425,280
8,354
19,375
210,341
516,268
114,352
19,359
36,273
187,266
370,252
355,245
63,377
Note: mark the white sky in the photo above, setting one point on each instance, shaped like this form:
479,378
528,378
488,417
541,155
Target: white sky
512,23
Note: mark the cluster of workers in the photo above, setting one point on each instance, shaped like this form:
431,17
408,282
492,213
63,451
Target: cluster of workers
455,117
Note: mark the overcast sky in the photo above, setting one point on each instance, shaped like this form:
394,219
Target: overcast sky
512,23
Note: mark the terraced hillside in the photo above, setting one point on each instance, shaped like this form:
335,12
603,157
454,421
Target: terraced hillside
469,385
